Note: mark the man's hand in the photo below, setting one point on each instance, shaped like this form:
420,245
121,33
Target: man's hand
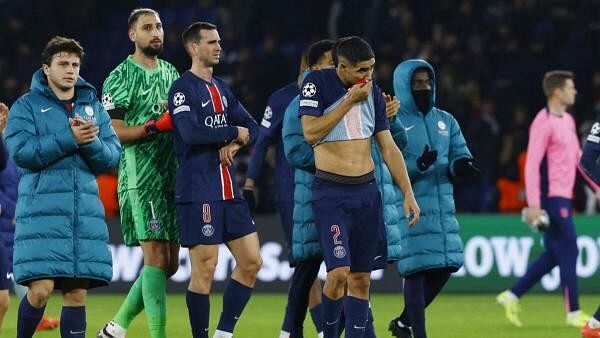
228,152
411,208
248,193
359,92
83,131
466,168
391,105
243,136
533,214
427,158
3,116
160,125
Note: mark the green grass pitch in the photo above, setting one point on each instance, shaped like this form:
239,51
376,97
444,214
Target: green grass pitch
450,316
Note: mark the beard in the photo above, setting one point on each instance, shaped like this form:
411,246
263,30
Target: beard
152,51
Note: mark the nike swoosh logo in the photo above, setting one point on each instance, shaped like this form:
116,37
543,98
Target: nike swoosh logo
409,128
78,332
377,257
359,327
204,104
236,318
146,91
328,323
45,109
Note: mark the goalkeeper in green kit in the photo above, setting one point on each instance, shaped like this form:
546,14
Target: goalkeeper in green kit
134,94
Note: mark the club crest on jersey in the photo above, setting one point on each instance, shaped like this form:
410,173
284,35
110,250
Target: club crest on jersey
224,100
339,251
309,90
178,99
442,127
208,230
154,224
89,111
107,101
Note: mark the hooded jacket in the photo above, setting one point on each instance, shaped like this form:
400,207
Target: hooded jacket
60,228
434,242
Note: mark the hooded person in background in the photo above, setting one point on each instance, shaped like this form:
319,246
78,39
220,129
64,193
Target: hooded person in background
436,156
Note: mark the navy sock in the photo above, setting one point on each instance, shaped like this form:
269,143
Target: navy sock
235,298
287,318
28,318
72,322
316,313
341,324
198,310
597,314
331,316
369,328
356,311
414,301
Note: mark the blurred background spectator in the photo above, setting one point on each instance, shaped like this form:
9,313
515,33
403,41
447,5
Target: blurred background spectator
491,56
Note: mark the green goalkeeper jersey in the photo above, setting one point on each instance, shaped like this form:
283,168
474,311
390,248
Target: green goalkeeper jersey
135,95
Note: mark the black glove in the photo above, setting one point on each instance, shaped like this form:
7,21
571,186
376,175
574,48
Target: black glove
249,197
427,158
466,168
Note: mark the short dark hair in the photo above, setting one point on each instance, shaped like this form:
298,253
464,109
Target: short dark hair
318,49
555,79
60,44
192,32
353,48
136,13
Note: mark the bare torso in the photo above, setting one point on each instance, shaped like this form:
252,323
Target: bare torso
348,158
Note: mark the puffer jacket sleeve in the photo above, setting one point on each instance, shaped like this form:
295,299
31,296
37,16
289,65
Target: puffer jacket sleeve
298,153
30,150
398,132
458,145
103,153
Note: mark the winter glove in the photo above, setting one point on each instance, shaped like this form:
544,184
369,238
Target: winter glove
466,168
427,158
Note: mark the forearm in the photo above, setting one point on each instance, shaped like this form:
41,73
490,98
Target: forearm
129,134
317,127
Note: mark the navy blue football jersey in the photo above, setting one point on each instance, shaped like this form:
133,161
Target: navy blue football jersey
322,91
590,160
205,116
270,134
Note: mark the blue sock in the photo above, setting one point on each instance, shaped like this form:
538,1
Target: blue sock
28,318
369,328
597,314
304,276
341,323
316,313
287,318
331,316
72,322
198,310
235,298
356,311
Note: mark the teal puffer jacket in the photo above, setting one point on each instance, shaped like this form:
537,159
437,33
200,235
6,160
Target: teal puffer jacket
434,242
60,228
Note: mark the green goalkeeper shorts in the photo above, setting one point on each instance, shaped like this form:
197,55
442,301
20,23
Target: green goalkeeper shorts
148,216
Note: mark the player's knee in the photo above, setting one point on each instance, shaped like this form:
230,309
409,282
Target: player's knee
77,297
338,276
359,282
252,266
38,295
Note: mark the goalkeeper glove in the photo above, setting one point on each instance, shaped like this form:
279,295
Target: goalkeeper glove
162,124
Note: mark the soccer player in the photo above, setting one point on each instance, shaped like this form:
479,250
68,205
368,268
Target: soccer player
553,153
436,155
60,137
590,164
340,111
210,126
304,290
134,95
